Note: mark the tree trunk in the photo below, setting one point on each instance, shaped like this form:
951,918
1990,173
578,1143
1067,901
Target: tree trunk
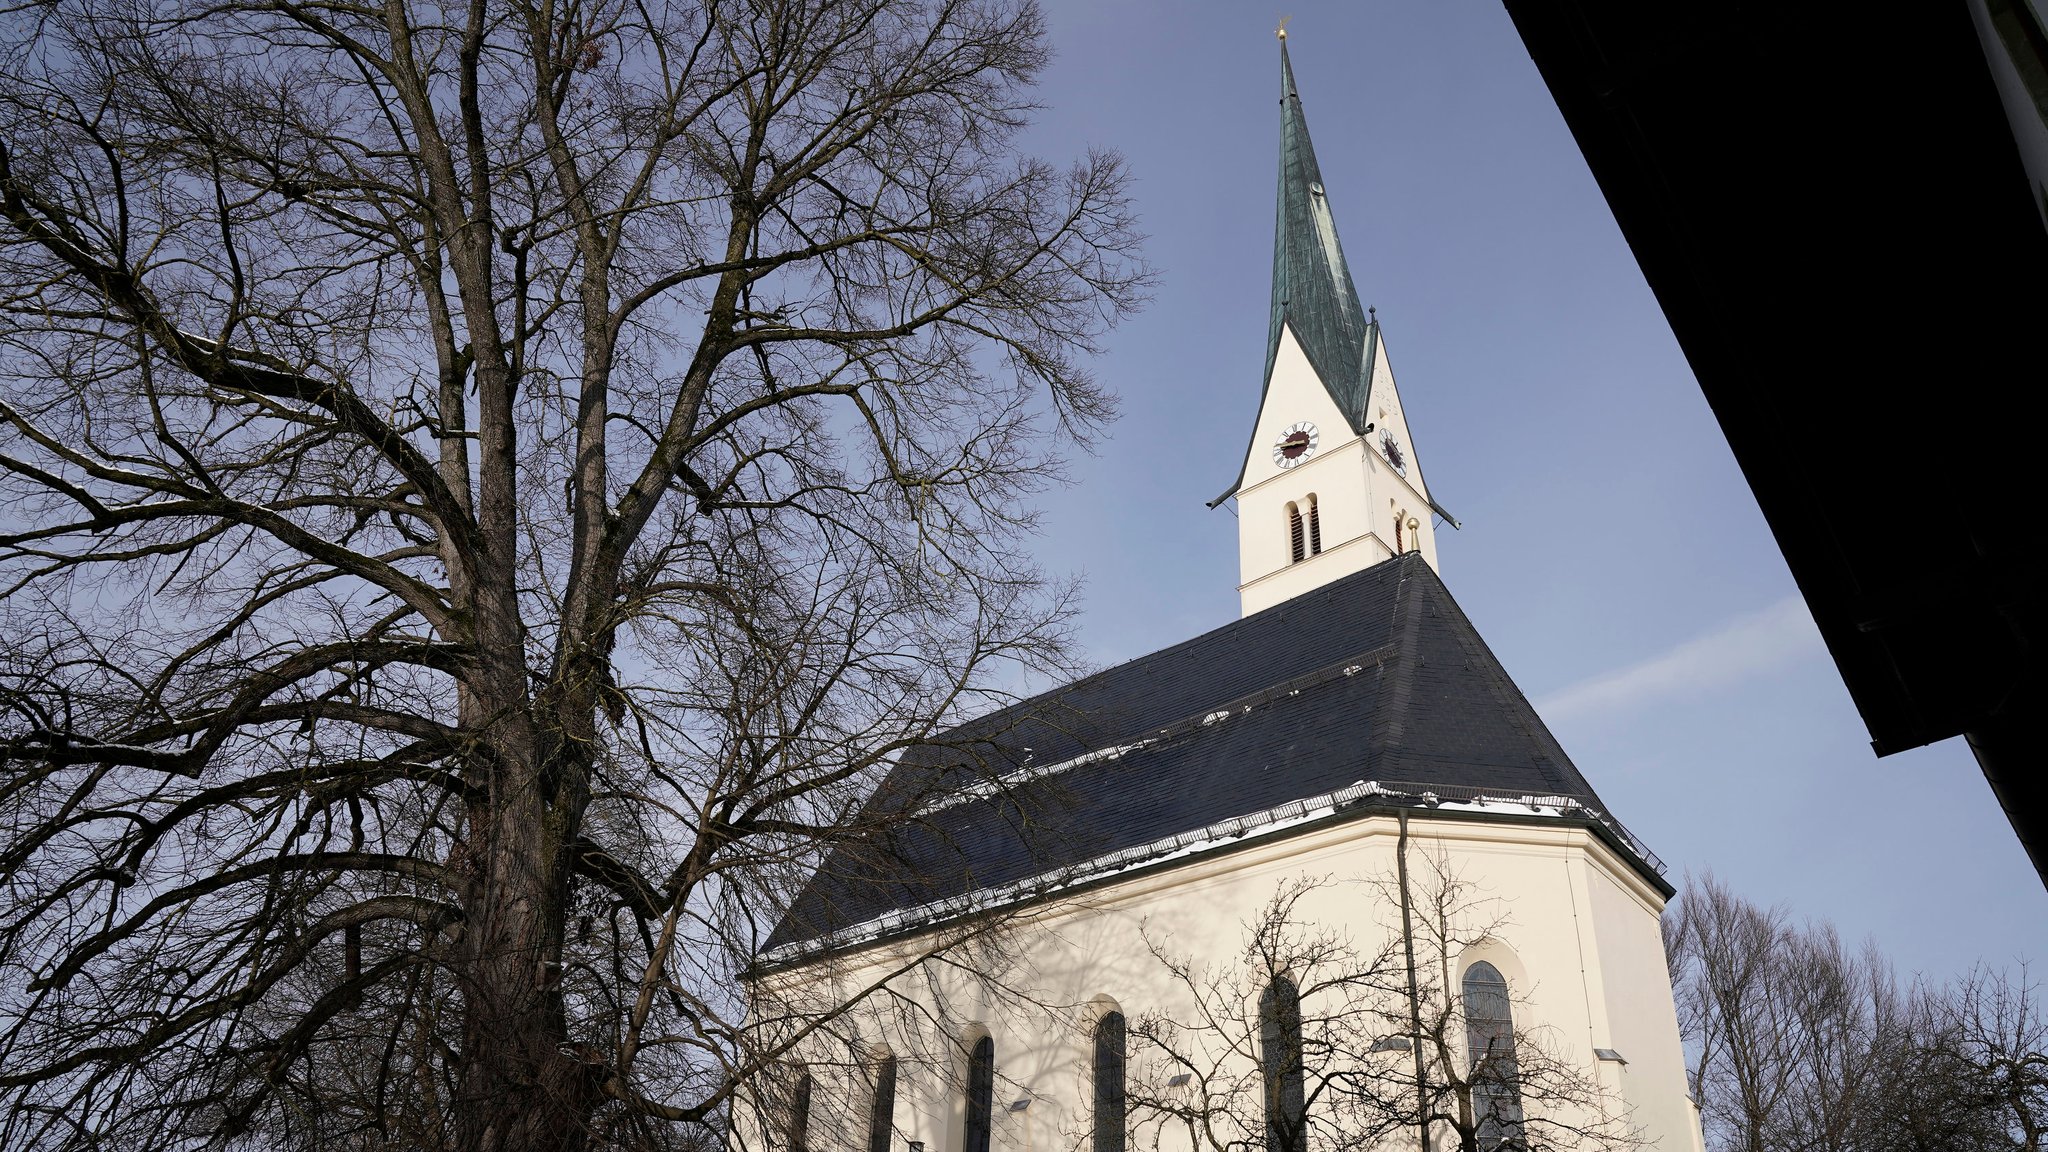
523,1086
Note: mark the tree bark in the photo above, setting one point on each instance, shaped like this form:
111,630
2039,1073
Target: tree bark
493,489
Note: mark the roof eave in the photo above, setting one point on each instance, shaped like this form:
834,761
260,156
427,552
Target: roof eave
1342,815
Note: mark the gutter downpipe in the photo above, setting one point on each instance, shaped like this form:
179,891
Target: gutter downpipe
1414,996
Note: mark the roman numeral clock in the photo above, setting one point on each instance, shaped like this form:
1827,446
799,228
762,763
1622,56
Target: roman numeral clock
1296,444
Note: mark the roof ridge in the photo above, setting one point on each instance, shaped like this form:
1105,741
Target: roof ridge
1378,655
1393,716
1519,710
1069,687
983,787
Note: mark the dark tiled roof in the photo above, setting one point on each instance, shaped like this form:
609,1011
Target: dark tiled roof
1377,676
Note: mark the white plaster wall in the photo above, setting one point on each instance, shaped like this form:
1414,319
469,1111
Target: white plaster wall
1295,393
1641,1016
1357,493
1391,492
1578,941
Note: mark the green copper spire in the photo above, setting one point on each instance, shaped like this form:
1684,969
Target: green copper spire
1312,288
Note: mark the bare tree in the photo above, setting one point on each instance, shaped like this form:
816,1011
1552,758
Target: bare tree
1308,1042
1202,1070
1926,1095
1799,1044
905,1014
2001,1042
490,486
1724,952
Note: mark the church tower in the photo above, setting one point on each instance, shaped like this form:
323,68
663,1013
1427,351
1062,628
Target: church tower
1331,482
1113,834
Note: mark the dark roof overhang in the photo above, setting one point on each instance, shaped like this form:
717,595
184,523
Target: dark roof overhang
1832,207
1601,829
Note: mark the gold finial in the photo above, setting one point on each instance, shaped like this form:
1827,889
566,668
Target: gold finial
1281,31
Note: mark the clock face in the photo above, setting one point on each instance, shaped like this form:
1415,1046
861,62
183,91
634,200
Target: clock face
1296,444
1391,449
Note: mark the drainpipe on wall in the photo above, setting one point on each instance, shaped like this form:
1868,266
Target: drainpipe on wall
1414,996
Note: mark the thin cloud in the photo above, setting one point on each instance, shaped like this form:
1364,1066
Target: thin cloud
1746,646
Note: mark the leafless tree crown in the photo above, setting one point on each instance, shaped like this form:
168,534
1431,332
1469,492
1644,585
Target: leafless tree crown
1379,1049
1799,1043
487,488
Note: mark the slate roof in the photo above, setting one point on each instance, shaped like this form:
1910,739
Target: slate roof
1312,288
1377,676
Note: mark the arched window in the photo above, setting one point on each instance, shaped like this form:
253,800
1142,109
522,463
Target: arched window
1280,1061
800,1113
1109,1083
1315,526
1297,539
981,1093
1490,1038
882,1114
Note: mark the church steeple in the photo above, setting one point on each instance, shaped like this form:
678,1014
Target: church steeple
1312,286
1329,484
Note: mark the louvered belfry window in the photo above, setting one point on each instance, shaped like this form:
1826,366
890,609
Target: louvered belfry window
1280,1062
981,1093
1296,537
1315,526
882,1120
1110,1100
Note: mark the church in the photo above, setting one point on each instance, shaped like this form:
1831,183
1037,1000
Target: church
1320,878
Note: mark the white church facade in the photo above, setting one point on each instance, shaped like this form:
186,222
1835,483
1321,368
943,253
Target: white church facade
1317,879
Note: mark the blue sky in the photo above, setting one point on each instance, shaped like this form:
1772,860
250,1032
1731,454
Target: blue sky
1612,554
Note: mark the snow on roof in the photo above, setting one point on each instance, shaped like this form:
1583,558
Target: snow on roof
1260,825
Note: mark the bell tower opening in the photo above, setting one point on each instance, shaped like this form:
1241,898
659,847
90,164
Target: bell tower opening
1304,529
